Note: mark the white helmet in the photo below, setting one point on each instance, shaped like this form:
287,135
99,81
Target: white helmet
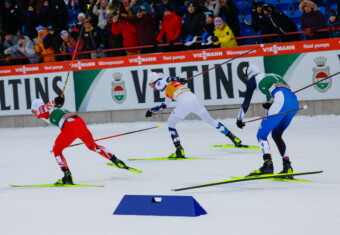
252,70
152,77
37,103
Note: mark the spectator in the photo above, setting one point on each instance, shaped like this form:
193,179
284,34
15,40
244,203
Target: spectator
208,28
333,24
2,50
136,4
312,20
101,11
144,27
79,24
281,23
53,40
223,34
262,23
170,28
212,6
73,12
11,40
173,5
30,23
25,47
229,14
47,15
113,41
37,5
192,26
126,4
69,45
93,41
11,16
128,31
61,15
39,45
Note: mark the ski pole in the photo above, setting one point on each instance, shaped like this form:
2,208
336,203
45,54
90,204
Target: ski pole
113,136
247,52
207,110
316,82
75,51
304,107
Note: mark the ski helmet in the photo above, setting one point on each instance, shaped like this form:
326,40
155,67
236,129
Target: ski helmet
252,70
153,77
37,103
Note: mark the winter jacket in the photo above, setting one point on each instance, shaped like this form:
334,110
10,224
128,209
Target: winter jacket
29,51
334,28
47,17
128,31
171,26
192,25
30,23
314,20
145,28
101,13
11,19
53,41
230,16
261,22
225,35
70,46
44,51
92,38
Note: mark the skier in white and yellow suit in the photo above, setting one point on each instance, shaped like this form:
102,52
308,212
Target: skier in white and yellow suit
186,103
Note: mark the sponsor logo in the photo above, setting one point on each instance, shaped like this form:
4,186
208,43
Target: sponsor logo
118,91
81,65
25,69
322,45
6,71
276,49
140,60
57,67
179,57
321,71
110,63
204,54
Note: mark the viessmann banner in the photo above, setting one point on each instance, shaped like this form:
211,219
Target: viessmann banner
120,83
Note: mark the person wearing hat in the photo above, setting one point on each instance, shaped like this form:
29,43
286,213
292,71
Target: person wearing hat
24,47
223,34
68,45
208,28
170,27
229,14
192,26
80,21
312,20
11,17
30,22
186,103
281,23
136,4
71,127
333,24
43,49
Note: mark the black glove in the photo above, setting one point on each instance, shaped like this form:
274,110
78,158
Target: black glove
59,101
214,39
266,105
240,124
183,80
148,114
171,43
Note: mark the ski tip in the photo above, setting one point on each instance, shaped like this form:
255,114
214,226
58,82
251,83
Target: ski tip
159,125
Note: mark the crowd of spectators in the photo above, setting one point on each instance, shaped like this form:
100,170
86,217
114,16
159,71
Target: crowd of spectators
48,30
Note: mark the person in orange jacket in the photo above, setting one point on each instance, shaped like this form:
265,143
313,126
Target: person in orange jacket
40,47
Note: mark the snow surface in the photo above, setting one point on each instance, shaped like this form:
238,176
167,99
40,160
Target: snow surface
253,207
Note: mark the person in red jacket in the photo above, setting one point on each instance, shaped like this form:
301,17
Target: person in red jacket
171,27
71,127
128,31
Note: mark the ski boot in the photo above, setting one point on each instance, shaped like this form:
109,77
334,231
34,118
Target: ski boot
67,179
119,163
178,154
287,168
267,168
236,141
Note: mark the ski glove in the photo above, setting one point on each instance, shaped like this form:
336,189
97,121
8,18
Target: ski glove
148,114
266,105
183,80
240,124
59,101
